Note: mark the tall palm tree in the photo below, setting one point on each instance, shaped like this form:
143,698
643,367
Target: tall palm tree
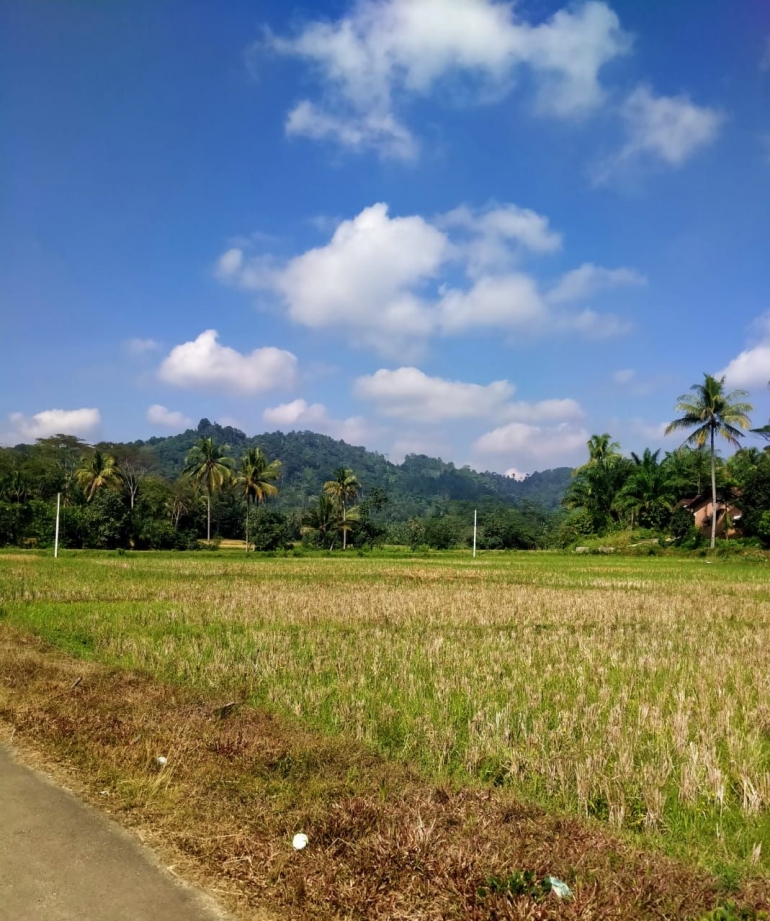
601,449
343,487
256,478
711,412
208,464
97,471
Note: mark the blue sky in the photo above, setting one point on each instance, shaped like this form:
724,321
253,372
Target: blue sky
455,227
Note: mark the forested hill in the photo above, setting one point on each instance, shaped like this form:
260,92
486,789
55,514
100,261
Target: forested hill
308,460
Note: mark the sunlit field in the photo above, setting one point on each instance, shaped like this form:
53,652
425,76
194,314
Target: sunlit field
636,691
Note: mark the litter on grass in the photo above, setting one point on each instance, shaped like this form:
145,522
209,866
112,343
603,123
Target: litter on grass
298,842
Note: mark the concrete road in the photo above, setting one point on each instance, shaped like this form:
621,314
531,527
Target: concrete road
60,860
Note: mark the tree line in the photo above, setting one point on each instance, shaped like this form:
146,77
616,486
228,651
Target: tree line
611,492
117,495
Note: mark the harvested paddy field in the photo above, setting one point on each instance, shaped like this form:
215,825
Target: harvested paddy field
616,710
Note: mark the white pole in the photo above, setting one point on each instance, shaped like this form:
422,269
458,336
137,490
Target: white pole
56,538
475,513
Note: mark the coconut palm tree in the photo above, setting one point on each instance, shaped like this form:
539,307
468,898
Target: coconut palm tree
343,487
256,478
97,471
710,411
207,464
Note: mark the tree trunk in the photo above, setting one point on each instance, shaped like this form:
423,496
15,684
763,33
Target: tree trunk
247,526
208,519
344,530
713,494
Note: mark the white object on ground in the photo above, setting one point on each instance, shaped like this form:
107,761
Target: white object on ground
560,890
162,760
298,842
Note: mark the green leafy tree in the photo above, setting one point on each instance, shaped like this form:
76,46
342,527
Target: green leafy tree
208,465
322,520
648,492
596,485
98,471
343,489
256,480
712,412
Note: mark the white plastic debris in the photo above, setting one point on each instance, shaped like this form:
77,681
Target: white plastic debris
162,760
299,842
560,890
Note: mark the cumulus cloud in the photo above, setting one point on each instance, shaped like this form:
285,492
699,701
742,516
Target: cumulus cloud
589,279
391,282
533,446
410,394
302,416
666,128
495,235
80,422
205,364
167,418
136,348
751,368
386,52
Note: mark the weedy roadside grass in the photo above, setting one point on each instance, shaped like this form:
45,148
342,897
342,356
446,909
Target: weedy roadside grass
632,691
384,842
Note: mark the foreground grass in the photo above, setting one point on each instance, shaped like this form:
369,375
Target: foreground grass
632,691
384,841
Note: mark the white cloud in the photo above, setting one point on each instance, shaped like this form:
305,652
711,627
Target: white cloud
669,128
531,446
372,130
417,443
80,422
544,411
589,279
302,416
505,301
205,364
752,367
386,52
498,233
515,474
138,347
384,281
410,394
624,376
167,418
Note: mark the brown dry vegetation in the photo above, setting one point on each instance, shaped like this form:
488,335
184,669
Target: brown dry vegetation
384,842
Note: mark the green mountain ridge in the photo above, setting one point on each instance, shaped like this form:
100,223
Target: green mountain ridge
414,486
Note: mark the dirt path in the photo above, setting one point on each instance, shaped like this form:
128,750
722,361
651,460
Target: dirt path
60,860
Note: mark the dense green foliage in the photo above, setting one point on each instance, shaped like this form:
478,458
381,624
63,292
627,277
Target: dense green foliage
159,495
278,490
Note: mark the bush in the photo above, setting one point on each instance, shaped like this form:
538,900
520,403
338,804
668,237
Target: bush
682,526
763,529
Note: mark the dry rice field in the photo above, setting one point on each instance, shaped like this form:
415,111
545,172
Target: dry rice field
631,691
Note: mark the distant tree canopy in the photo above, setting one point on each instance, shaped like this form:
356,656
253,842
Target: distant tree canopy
279,490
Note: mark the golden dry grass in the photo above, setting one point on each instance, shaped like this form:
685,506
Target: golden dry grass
384,842
634,691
